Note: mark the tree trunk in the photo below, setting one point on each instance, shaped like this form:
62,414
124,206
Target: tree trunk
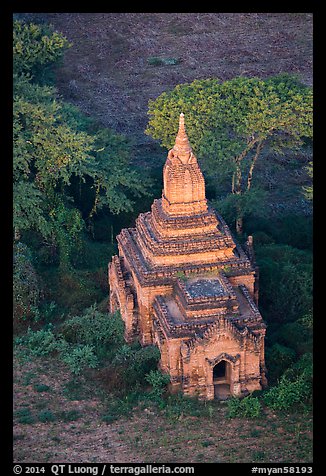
239,225
253,163
237,187
16,234
237,183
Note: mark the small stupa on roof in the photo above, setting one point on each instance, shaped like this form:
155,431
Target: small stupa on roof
182,283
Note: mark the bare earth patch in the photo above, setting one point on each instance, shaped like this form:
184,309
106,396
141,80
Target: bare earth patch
77,433
110,73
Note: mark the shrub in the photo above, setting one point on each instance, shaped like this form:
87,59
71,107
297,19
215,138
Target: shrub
158,381
24,416
79,358
247,407
36,47
261,238
295,388
145,360
285,282
48,311
294,335
289,394
278,358
45,416
40,387
109,418
118,407
157,61
133,363
39,343
304,367
124,354
27,291
76,291
207,443
179,404
75,389
294,230
96,329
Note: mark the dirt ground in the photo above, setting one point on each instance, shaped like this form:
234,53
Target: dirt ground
109,71
58,423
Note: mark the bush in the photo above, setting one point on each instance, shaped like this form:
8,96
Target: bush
285,282
25,416
96,329
79,358
40,387
278,358
39,343
247,407
289,229
132,363
295,388
178,404
261,238
156,61
118,407
294,230
124,354
45,416
302,368
158,381
145,361
294,335
289,394
36,47
27,291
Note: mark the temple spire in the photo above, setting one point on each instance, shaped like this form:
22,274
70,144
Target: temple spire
182,145
183,181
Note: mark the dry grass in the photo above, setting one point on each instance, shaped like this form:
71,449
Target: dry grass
78,434
107,73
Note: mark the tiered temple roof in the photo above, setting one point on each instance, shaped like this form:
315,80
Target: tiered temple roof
180,275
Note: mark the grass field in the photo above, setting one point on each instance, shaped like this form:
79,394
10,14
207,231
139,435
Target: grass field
57,418
119,61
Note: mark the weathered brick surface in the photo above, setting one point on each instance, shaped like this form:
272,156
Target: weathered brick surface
181,282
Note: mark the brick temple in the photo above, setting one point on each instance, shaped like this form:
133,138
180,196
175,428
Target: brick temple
181,282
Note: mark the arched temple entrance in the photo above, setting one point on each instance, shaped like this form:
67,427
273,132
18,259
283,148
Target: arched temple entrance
222,379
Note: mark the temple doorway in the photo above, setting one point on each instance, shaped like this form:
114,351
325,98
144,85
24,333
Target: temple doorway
221,380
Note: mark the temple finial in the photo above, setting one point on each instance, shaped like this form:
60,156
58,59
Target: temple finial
182,145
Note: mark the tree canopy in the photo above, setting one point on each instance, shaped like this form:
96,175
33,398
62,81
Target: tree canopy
230,123
54,145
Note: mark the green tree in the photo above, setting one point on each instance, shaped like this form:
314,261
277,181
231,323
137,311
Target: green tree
36,48
233,124
278,359
46,155
308,189
285,282
53,149
294,390
27,289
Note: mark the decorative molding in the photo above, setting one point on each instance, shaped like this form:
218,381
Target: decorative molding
223,356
